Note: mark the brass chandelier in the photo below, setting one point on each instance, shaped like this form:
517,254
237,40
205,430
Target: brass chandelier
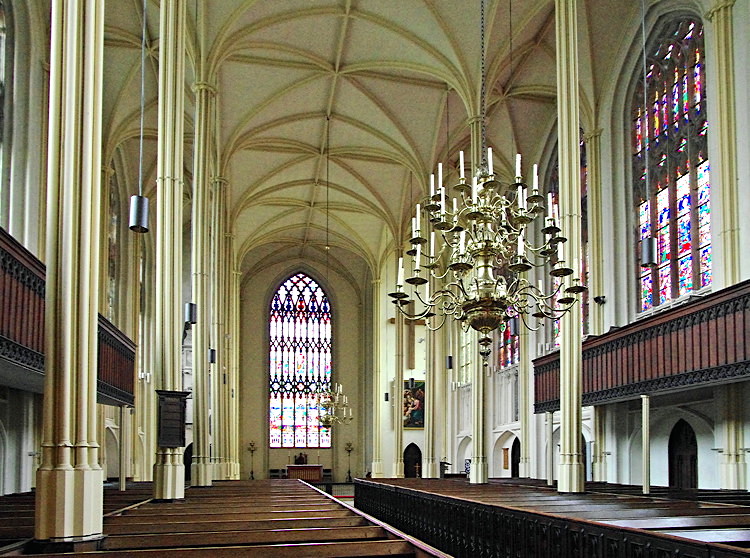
333,406
478,246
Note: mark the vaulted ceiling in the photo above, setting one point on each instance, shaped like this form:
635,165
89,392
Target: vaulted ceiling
391,85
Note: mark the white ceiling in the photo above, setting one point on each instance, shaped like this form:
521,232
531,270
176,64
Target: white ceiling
381,71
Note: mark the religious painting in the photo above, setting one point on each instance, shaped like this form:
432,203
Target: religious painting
413,404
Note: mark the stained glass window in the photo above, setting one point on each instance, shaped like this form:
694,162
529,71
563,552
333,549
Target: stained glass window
508,349
300,363
670,132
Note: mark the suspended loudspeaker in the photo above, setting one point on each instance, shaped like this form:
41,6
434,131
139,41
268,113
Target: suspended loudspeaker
191,313
648,252
212,356
139,214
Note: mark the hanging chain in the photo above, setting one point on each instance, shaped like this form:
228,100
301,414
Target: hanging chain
143,101
645,104
328,161
482,102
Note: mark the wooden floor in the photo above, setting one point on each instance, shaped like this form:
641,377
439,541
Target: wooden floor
711,516
268,518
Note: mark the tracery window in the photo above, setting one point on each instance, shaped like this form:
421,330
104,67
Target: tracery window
508,345
300,363
671,133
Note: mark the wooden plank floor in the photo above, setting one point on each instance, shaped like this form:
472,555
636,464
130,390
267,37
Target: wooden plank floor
711,516
265,518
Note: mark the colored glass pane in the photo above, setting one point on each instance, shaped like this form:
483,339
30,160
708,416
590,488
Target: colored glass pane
704,185
663,239
647,291
665,284
645,219
638,133
684,244
300,362
685,95
685,274
697,85
662,207
656,111
676,99
705,254
683,194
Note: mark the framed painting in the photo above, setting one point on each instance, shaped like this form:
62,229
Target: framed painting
413,404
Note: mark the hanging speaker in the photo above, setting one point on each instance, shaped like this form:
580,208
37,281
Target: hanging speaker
449,362
139,214
191,313
212,356
648,252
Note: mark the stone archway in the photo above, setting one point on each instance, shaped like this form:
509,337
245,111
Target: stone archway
412,461
683,456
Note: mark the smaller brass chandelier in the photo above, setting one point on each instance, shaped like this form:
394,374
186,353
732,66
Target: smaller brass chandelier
333,406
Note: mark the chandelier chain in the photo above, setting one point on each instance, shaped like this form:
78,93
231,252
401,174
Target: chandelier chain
483,92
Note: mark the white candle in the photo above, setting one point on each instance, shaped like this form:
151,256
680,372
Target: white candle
518,165
535,183
540,284
440,175
520,245
413,227
462,242
400,279
432,244
432,185
559,252
442,201
522,198
417,218
461,164
455,206
417,258
550,212
474,190
427,291
489,160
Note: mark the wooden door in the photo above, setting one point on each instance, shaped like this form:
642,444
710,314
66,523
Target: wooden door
683,457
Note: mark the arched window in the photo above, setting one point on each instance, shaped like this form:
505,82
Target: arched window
300,363
670,132
113,249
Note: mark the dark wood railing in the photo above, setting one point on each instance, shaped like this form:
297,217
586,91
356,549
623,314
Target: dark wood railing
701,342
22,287
21,305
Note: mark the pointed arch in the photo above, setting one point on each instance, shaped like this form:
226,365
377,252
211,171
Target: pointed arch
300,349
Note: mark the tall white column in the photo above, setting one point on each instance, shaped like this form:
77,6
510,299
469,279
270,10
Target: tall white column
478,472
524,401
725,128
377,381
230,431
596,249
398,422
430,467
202,471
169,470
646,442
549,424
69,479
732,428
571,469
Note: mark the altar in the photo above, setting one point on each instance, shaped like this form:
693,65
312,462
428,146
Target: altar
309,472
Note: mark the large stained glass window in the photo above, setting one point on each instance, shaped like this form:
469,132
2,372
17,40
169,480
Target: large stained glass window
300,363
669,132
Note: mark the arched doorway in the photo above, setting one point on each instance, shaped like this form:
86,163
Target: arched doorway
515,459
187,460
412,461
683,457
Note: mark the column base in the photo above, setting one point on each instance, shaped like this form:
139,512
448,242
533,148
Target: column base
222,471
169,474
201,474
60,547
431,470
377,469
733,476
69,505
398,470
599,472
478,471
570,477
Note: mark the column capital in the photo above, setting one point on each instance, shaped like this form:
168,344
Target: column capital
593,134
107,171
719,6
203,86
219,180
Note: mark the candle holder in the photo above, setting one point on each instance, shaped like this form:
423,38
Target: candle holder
349,448
251,447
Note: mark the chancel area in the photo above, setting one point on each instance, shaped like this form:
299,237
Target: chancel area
258,257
